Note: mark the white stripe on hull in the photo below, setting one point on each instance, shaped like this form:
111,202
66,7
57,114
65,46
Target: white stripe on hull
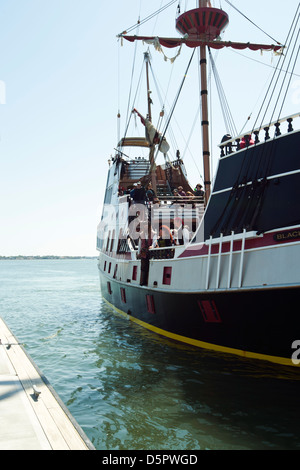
255,268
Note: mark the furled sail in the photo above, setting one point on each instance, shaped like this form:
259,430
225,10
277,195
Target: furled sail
194,42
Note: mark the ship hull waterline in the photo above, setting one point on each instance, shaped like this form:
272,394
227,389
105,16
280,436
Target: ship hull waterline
255,324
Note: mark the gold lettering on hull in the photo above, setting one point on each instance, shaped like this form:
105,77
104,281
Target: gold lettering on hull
287,235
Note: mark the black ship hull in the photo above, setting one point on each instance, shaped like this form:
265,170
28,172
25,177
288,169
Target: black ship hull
259,325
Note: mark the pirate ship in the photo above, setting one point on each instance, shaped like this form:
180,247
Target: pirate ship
232,285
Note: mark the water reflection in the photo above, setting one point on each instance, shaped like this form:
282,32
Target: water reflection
160,395
131,389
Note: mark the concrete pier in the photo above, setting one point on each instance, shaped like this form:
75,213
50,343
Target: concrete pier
32,416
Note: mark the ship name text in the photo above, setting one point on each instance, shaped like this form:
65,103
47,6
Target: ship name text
287,235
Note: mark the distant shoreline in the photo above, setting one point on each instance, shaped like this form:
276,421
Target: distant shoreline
21,257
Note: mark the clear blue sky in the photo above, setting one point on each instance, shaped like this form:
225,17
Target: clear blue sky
58,125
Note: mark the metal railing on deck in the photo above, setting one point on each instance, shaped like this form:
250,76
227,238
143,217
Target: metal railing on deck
162,253
171,199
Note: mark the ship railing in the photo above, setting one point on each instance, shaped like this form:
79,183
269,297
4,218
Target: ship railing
170,204
170,199
124,198
162,253
229,145
163,199
171,209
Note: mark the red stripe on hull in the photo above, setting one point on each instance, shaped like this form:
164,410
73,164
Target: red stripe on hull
268,240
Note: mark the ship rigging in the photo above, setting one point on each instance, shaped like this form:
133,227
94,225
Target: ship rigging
201,269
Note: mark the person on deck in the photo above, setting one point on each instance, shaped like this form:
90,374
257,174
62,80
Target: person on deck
246,141
181,234
181,192
199,191
138,193
151,196
176,195
165,237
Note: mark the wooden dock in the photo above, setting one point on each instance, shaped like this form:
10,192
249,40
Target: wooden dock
32,416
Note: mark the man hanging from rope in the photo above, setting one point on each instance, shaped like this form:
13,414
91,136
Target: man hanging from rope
152,134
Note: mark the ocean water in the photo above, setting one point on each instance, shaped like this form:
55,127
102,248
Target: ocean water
132,390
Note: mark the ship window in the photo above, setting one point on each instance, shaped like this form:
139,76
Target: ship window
120,241
150,303
122,246
209,311
99,243
115,271
109,287
112,240
167,275
134,273
123,295
108,194
107,244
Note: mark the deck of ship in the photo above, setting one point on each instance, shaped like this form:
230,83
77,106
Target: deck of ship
32,415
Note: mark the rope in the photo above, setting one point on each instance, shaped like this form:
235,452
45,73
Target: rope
157,12
274,75
252,22
177,97
228,119
163,106
286,73
260,62
130,90
268,159
173,106
128,122
163,103
249,214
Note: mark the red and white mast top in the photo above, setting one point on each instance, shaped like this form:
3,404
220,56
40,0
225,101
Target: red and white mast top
204,23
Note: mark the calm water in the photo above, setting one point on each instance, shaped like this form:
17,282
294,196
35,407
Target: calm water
131,390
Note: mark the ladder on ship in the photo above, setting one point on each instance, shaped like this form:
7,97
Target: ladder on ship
240,237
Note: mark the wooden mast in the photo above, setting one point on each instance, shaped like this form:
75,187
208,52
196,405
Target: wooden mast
149,101
147,58
204,117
